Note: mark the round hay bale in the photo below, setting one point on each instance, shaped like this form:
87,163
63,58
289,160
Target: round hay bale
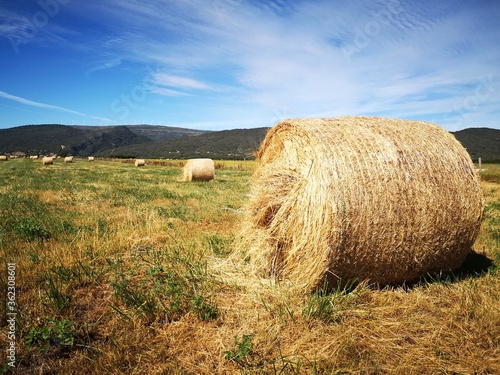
3,158
199,170
349,199
91,158
47,160
68,159
140,163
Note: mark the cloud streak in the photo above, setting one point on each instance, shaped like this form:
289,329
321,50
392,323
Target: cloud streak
32,103
38,104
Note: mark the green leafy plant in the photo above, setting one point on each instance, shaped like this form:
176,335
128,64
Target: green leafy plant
30,229
220,244
54,333
242,349
205,310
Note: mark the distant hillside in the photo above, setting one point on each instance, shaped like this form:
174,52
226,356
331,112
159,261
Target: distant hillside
225,144
240,143
481,142
163,133
82,140
147,141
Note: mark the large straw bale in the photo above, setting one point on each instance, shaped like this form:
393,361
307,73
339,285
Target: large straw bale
199,170
3,158
68,159
360,198
140,163
91,158
47,160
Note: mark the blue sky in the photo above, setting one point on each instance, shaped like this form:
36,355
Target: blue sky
227,64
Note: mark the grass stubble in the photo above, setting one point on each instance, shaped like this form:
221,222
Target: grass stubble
127,270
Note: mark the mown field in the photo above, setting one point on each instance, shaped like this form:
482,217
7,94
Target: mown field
121,269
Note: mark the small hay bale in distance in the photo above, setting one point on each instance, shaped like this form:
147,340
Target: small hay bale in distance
199,170
68,159
3,158
90,158
140,163
47,160
349,199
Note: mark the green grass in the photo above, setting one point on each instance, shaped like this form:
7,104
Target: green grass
127,270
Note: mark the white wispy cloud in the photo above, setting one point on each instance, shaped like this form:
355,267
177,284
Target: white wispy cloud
169,80
105,65
38,104
32,103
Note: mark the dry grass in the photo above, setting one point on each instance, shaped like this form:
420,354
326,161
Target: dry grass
134,269
359,198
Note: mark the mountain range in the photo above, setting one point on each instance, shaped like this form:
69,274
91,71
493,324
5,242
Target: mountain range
157,142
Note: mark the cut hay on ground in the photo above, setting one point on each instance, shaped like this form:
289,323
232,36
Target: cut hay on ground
140,163
68,159
91,158
199,170
359,198
47,160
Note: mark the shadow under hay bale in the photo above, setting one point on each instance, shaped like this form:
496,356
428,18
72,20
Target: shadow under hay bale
360,198
475,265
199,170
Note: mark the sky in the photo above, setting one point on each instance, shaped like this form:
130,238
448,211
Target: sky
226,64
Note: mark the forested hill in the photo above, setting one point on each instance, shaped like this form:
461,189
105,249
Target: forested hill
147,141
224,144
81,140
481,142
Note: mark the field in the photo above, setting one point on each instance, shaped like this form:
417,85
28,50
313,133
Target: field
121,269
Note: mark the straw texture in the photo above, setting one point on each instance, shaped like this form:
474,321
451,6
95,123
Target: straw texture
199,170
47,160
360,198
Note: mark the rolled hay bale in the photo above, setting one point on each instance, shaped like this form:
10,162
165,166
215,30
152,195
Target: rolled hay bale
47,160
199,170
3,158
68,159
140,163
349,199
91,158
